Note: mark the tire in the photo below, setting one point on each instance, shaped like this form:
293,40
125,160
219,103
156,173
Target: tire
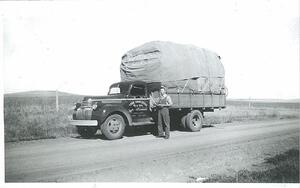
194,120
183,122
113,127
86,132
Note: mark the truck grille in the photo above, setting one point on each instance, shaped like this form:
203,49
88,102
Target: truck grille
84,114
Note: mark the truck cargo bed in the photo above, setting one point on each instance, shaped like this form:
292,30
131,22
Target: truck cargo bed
198,100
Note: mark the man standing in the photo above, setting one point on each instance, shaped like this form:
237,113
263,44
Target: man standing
163,120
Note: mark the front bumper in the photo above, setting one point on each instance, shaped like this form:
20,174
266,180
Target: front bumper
92,123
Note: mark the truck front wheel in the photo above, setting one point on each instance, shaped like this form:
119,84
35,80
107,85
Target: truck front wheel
113,127
194,120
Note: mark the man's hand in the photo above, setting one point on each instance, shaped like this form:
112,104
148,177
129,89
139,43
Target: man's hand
163,105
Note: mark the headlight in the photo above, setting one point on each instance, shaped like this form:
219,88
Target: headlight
89,102
95,106
76,106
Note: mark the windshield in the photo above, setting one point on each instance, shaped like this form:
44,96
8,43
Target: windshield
114,90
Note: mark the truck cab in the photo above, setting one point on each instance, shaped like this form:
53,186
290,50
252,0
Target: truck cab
127,104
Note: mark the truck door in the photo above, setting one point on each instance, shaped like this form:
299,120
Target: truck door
138,104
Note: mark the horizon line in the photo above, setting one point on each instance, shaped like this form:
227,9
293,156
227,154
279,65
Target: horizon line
230,98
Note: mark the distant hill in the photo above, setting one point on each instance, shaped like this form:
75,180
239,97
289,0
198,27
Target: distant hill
39,93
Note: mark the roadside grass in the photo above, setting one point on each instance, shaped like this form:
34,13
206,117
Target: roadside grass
30,118
242,112
282,168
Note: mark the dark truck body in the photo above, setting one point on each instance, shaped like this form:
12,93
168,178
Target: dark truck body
131,107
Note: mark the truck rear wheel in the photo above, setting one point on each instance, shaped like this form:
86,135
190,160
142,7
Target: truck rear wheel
194,120
113,127
183,122
86,132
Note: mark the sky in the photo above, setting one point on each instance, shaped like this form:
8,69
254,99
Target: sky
76,46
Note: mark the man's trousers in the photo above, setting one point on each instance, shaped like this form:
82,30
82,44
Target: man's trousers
163,121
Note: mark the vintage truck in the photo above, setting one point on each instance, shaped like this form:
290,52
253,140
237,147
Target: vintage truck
195,86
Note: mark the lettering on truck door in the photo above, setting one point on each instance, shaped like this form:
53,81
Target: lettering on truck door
138,104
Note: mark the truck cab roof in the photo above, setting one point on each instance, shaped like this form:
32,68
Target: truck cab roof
122,89
151,86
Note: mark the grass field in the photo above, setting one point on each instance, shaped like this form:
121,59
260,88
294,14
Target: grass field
282,168
33,115
29,118
238,110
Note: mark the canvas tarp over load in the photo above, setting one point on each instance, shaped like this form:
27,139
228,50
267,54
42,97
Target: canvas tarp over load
179,67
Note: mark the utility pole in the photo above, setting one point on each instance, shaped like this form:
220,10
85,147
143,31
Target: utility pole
249,105
56,96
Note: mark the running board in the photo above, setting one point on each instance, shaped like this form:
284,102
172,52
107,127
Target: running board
142,123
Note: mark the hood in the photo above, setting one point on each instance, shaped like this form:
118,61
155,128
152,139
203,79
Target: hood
104,97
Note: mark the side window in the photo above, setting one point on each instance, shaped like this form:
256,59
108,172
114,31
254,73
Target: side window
138,90
155,94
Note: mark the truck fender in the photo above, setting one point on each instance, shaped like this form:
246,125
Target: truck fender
116,110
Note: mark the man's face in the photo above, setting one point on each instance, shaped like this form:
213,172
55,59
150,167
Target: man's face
162,91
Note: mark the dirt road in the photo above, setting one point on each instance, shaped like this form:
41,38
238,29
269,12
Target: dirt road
220,149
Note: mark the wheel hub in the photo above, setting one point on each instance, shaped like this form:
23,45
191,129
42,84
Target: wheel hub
196,121
114,125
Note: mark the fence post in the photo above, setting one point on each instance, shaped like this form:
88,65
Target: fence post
249,104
